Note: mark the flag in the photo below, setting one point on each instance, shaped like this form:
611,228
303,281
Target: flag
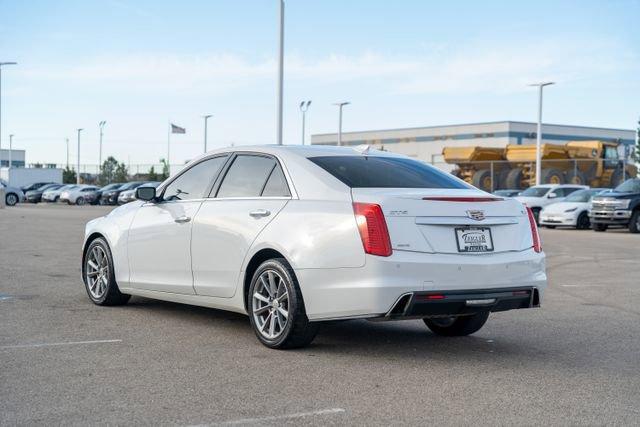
177,129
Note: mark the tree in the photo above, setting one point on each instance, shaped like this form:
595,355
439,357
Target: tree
152,176
121,173
165,170
112,171
68,176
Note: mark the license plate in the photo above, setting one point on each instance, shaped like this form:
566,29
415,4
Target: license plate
474,239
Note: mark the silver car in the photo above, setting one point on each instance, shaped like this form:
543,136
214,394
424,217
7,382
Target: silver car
12,195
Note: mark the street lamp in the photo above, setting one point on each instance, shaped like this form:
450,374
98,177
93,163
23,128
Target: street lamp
280,71
10,150
206,117
101,125
67,141
1,65
78,160
540,86
304,106
340,105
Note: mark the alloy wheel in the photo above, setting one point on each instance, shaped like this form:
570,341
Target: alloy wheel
97,272
11,199
270,304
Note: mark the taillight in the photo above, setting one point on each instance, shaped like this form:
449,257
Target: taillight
373,229
534,231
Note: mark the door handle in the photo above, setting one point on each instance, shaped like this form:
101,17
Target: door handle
259,213
182,219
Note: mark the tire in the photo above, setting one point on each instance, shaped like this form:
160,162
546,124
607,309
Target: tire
101,293
457,326
11,199
550,226
575,177
56,199
536,215
634,223
80,201
266,317
551,176
599,227
482,179
514,179
583,222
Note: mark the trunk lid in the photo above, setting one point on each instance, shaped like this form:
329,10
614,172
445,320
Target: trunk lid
440,220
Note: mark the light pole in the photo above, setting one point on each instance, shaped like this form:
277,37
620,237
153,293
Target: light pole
78,162
10,150
280,71
101,125
540,86
304,106
340,105
206,117
1,65
67,141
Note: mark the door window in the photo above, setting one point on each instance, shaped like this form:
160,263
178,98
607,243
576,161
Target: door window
247,176
276,185
193,183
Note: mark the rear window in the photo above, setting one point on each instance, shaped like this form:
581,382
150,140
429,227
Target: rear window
385,172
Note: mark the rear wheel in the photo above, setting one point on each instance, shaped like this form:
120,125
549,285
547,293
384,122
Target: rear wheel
551,176
600,227
575,177
583,222
80,201
514,179
457,326
276,308
634,224
482,179
99,276
11,199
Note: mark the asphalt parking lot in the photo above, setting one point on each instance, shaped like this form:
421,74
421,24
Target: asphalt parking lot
66,361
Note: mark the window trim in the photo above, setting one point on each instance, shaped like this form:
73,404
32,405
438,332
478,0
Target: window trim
213,194
209,186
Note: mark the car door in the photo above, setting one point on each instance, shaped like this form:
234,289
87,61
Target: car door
159,238
251,193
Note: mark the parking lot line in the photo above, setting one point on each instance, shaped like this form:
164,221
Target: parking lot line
260,420
51,344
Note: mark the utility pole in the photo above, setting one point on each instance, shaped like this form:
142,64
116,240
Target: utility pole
101,125
340,105
280,72
10,150
78,170
304,106
1,65
539,130
206,117
67,141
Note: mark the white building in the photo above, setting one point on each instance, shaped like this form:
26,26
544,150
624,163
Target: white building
426,143
17,158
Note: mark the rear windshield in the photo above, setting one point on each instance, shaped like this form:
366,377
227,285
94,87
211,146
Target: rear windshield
535,191
385,172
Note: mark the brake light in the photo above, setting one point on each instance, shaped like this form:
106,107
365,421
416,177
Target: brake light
373,229
534,231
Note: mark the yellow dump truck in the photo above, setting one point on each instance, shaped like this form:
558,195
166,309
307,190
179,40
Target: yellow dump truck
594,163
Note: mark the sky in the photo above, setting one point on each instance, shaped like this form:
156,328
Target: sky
405,63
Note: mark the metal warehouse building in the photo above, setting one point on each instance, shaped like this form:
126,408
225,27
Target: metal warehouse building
426,143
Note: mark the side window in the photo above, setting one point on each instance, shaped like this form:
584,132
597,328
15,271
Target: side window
194,182
276,184
570,190
246,177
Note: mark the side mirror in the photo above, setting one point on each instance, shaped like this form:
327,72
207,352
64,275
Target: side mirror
146,193
552,195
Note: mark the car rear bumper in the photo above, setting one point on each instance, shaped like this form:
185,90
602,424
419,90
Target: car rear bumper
375,289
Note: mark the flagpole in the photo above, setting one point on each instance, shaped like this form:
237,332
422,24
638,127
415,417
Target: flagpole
169,146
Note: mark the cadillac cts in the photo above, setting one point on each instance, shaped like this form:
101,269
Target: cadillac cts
296,235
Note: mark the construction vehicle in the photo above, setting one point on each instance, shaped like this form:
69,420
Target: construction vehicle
594,163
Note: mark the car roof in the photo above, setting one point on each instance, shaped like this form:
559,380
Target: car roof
304,150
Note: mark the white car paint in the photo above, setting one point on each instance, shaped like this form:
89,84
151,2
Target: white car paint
204,261
566,213
551,195
72,195
54,195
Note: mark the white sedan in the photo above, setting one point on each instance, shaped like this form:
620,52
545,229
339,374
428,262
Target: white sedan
572,212
78,195
296,235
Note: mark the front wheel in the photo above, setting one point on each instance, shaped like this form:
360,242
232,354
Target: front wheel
457,326
583,221
634,223
99,277
276,308
11,199
599,227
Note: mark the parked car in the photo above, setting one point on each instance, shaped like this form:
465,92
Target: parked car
573,211
110,197
53,196
539,196
78,196
130,195
296,235
35,196
507,193
620,207
98,194
34,186
12,195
